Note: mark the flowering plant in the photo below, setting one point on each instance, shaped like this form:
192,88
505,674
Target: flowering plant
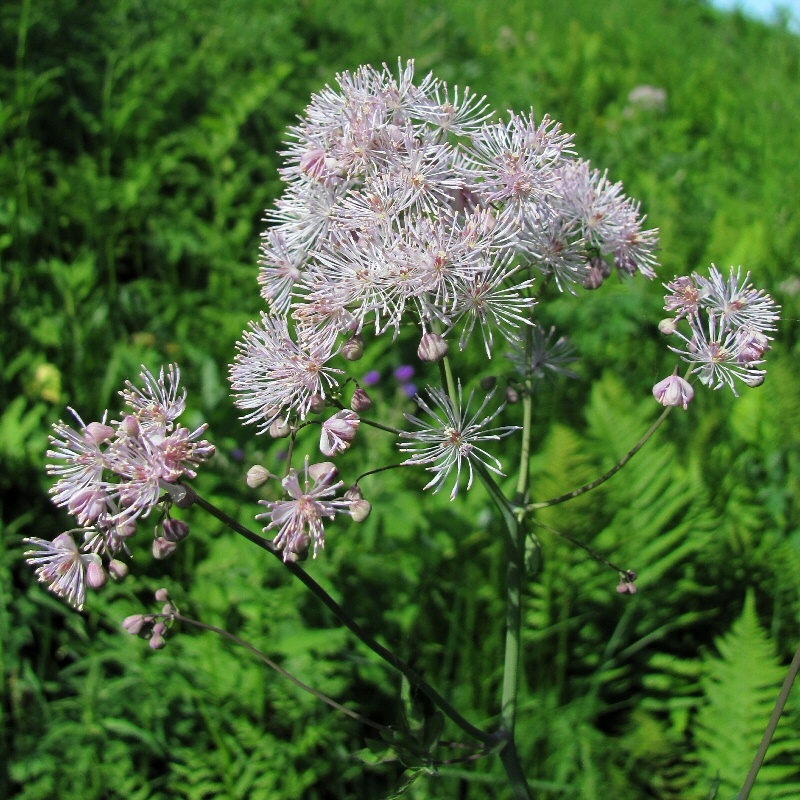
407,208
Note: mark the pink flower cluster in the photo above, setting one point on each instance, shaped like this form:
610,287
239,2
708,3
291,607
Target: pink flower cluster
729,325
407,205
112,474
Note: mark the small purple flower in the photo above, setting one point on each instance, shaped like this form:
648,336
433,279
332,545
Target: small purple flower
404,373
410,389
371,378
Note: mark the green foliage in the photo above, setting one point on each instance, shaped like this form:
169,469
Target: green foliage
138,145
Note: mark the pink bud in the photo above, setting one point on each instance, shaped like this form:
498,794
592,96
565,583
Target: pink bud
163,548
175,530
130,426
159,629
360,510
162,595
257,476
316,403
353,348
360,401
126,529
98,433
323,472
118,569
338,432
134,623
96,576
280,428
157,642
432,347
673,391
668,326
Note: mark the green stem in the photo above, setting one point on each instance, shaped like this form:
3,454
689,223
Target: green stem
515,570
414,678
613,471
446,372
772,725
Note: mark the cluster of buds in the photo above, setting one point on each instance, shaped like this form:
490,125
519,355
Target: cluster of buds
110,476
153,627
729,325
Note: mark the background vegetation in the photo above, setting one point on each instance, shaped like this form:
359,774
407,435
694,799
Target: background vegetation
138,145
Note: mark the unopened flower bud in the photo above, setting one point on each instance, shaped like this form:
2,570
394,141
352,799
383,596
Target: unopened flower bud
159,629
175,530
594,278
756,379
432,347
130,426
168,609
162,595
338,432
257,476
354,493
512,395
673,391
316,403
163,548
280,428
622,588
323,472
488,383
668,326
118,569
755,345
157,641
360,401
134,624
353,348
96,576
126,529
98,433
360,510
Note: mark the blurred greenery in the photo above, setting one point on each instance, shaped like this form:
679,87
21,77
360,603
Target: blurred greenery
138,150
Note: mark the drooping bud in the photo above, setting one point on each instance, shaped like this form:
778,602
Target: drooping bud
755,345
157,641
673,391
118,569
126,529
162,595
755,379
512,395
130,426
338,432
257,476
668,326
323,472
594,278
360,508
280,428
353,348
134,624
98,433
360,401
432,347
96,576
175,530
163,548
316,403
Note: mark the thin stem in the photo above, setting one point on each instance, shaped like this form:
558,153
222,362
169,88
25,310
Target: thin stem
613,471
414,677
446,372
772,725
377,470
593,553
281,671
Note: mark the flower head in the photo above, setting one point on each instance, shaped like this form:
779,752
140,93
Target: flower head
452,438
299,519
